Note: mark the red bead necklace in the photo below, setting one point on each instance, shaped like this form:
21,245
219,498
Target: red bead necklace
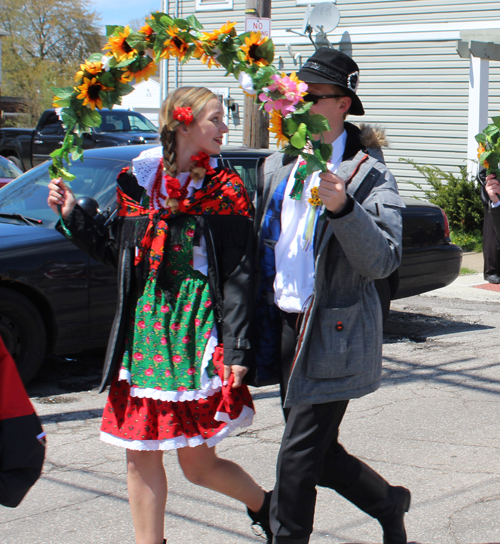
174,189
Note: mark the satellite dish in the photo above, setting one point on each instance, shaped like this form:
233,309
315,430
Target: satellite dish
324,17
305,22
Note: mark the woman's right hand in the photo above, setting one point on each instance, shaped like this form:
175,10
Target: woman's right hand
61,195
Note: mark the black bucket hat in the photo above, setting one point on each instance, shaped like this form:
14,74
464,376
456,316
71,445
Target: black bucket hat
332,67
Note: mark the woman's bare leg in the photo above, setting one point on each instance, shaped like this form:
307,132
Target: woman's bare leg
147,491
201,466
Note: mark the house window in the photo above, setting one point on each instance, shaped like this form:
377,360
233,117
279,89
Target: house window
214,5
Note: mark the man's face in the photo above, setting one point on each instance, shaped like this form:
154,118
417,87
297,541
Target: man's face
334,109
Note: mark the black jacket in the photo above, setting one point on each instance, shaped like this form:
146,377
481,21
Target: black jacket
230,251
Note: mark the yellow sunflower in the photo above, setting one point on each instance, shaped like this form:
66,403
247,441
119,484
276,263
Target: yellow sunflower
175,45
276,128
144,74
251,43
214,35
119,47
146,29
90,90
92,68
204,57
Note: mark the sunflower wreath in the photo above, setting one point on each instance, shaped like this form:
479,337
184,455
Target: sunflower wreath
105,77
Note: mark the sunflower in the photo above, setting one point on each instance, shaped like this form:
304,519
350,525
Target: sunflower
252,42
276,128
119,46
145,73
146,29
214,35
175,45
90,90
204,57
92,68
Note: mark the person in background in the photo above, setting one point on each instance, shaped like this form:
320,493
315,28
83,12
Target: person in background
180,344
22,439
331,345
491,245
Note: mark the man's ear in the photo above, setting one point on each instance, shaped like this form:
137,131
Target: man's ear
345,103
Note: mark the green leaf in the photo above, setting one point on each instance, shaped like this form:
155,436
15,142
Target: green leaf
290,125
63,102
77,153
317,123
63,92
181,23
496,121
290,150
265,51
138,41
95,57
124,88
66,175
91,118
107,79
480,138
491,130
193,21
126,62
56,153
303,109
298,140
110,29
313,163
165,21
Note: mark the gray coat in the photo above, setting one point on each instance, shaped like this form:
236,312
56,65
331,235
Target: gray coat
339,351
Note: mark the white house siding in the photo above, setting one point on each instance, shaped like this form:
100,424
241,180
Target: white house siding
416,90
145,99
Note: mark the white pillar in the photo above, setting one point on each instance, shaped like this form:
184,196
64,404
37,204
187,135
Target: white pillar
478,107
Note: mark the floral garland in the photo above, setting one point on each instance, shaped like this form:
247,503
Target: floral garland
104,78
488,151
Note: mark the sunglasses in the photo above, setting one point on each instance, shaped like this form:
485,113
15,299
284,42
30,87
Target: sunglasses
315,98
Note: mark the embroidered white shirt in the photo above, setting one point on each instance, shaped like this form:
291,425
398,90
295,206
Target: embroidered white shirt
295,267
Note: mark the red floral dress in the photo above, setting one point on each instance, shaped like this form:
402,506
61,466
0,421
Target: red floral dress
169,392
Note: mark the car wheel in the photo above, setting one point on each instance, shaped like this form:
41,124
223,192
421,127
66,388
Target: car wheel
384,294
16,161
23,332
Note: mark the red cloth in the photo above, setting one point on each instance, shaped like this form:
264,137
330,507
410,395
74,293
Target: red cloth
14,401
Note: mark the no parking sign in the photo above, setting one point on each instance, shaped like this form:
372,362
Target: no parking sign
258,24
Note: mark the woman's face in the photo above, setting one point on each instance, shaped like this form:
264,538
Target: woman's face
206,132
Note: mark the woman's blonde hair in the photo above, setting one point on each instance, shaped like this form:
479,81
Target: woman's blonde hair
195,98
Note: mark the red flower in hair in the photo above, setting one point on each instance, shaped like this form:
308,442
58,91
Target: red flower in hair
183,115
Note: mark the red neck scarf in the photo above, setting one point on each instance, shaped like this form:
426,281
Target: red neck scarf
224,194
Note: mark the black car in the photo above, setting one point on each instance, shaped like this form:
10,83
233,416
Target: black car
55,299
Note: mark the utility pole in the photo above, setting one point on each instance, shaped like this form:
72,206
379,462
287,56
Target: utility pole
256,122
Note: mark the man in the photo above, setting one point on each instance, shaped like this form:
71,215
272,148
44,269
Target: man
332,322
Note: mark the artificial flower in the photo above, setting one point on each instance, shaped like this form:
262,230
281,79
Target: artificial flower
215,34
119,46
92,68
276,128
144,74
175,45
246,83
204,57
183,115
89,92
252,42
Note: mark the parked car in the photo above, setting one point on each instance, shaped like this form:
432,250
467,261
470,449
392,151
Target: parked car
28,147
55,299
8,171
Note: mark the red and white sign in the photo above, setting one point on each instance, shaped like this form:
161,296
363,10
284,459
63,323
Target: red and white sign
262,25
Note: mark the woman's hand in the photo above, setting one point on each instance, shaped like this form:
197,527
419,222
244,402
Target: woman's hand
60,194
493,188
331,190
238,372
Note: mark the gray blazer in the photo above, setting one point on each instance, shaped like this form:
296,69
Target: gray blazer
339,351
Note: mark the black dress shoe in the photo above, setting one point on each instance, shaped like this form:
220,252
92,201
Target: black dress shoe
492,278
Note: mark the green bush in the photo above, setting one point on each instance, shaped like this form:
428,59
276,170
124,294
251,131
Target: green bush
468,241
458,195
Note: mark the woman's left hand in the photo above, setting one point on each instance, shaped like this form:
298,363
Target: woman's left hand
238,371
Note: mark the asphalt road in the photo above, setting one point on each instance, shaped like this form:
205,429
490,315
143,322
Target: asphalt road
433,426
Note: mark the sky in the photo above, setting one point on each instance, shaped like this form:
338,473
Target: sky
122,12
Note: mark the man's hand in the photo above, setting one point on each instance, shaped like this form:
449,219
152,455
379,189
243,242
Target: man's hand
238,372
493,188
331,190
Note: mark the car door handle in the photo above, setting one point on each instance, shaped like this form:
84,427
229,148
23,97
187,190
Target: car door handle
38,142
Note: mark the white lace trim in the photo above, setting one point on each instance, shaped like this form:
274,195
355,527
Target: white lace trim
145,167
209,386
243,420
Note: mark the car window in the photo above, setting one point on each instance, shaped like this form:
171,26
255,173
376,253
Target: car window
246,169
124,121
52,126
27,194
8,170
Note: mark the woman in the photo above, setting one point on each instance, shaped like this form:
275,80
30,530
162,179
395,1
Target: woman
179,347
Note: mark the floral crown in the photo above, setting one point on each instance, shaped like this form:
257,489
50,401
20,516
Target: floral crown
183,115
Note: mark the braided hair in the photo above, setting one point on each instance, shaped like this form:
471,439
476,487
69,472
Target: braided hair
195,98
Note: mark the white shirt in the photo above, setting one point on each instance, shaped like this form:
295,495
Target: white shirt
295,267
